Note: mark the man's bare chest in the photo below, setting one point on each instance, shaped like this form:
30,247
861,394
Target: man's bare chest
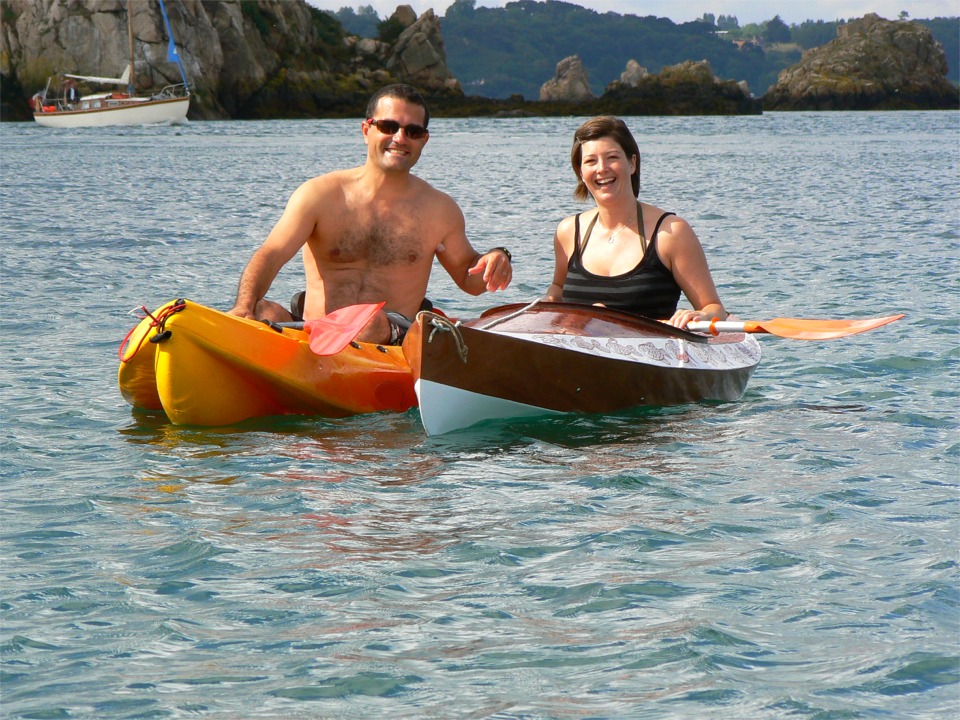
377,238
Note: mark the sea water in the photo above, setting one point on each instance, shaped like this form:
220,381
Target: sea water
792,554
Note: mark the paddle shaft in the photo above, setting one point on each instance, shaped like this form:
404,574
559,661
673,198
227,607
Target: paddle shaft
794,328
725,326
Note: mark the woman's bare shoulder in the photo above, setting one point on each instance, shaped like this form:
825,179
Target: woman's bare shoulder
569,223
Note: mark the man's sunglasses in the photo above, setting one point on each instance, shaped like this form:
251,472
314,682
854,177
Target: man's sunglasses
391,127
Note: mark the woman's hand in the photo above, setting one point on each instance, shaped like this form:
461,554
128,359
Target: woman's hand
682,317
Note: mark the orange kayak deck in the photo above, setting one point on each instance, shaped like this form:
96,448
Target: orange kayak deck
205,367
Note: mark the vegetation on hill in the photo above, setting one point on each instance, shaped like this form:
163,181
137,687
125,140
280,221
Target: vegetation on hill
496,52
502,52
946,31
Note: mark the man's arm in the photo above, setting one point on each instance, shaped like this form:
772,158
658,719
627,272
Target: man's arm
287,237
256,279
473,272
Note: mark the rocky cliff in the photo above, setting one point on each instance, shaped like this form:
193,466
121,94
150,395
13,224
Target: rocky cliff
633,74
244,59
688,88
568,84
873,64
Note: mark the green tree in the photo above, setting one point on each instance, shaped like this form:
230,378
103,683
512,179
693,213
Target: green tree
461,8
363,21
728,22
389,30
946,31
776,31
811,34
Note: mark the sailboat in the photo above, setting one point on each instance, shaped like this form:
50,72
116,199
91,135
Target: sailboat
60,104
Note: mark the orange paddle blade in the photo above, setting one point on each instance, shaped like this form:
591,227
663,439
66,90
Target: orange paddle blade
801,329
332,333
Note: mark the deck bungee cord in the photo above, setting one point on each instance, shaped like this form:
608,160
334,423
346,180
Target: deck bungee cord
157,321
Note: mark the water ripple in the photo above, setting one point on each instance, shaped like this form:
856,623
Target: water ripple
792,553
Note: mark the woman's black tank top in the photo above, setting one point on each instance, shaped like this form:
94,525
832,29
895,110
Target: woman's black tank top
649,289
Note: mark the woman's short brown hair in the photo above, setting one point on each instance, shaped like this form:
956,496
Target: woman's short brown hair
594,129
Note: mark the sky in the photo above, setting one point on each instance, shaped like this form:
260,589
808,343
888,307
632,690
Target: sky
792,12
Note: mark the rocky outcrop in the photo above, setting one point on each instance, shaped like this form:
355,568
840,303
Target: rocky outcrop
419,55
689,88
569,84
633,74
872,64
244,59
689,72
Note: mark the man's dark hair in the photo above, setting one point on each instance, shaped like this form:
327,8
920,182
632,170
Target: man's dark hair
399,91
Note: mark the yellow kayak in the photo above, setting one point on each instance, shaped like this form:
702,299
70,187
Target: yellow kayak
204,367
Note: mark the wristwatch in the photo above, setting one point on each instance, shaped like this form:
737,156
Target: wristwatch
504,251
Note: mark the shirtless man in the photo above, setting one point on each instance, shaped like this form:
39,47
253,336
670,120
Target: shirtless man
370,233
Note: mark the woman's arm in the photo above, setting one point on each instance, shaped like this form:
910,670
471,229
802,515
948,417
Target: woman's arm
562,250
681,251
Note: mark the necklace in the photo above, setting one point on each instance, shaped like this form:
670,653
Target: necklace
613,237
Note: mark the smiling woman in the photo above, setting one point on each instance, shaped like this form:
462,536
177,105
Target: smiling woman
621,269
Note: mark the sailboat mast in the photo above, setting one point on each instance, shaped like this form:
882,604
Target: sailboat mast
130,34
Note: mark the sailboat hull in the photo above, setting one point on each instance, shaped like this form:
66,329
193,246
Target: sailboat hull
123,112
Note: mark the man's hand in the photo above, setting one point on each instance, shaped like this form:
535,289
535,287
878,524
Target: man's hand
496,268
242,311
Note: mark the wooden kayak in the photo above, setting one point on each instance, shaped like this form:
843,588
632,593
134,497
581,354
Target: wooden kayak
204,367
544,358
